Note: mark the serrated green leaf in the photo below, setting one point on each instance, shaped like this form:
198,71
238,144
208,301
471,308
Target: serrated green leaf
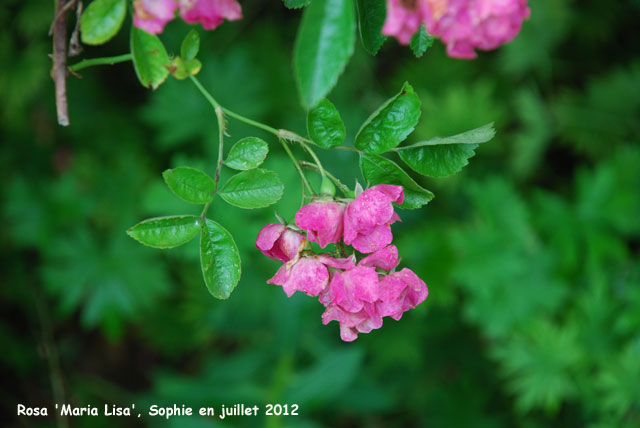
421,41
190,45
256,188
190,184
325,125
439,157
150,58
166,232
220,260
379,170
102,20
324,44
296,4
248,153
371,17
391,123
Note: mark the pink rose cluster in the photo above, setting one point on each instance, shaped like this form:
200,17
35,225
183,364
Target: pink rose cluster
153,15
357,294
463,25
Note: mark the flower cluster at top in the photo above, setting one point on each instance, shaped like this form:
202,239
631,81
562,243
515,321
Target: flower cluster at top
153,15
357,294
463,25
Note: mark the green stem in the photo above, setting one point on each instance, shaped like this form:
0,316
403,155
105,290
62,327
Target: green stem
221,127
204,92
220,116
230,113
352,149
99,61
204,211
219,110
315,159
305,182
251,122
343,188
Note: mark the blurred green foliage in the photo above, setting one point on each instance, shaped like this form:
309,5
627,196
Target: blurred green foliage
531,253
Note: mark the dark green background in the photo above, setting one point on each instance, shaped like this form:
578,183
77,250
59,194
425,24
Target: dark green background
531,254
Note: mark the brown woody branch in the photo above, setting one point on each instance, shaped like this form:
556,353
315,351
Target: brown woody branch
59,69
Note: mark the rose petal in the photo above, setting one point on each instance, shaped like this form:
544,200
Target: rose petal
386,258
373,240
343,263
484,24
403,20
351,289
395,193
210,13
348,334
307,275
267,237
279,243
291,243
323,220
153,15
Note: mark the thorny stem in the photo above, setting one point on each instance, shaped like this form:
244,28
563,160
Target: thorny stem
99,61
343,188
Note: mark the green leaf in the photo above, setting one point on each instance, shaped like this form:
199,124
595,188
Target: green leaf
325,125
439,157
256,188
421,41
190,45
391,123
150,58
166,232
296,4
220,260
323,47
379,170
371,16
248,153
181,69
190,184
102,20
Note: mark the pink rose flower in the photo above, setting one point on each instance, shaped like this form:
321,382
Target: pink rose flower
404,18
368,218
463,25
279,242
153,15
323,221
399,292
210,13
467,24
359,302
308,274
353,288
